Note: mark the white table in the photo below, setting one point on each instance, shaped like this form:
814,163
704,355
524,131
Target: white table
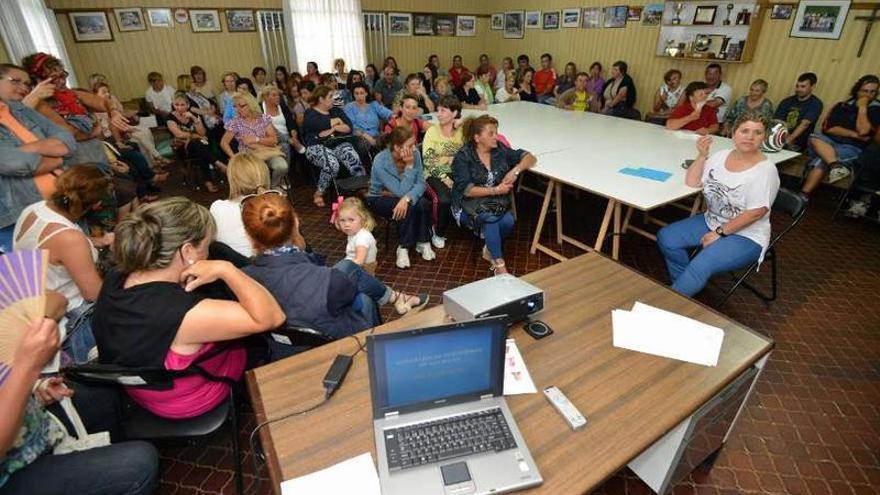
587,150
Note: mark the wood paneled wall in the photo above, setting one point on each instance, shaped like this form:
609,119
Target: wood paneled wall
778,58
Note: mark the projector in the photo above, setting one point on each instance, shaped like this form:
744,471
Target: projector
494,296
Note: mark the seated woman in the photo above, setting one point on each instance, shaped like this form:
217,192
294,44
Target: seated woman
281,77
619,92
337,301
508,92
244,86
203,107
468,95
483,85
347,91
413,88
191,140
254,132
666,97
322,122
442,142
365,115
312,74
154,310
28,434
302,104
397,186
282,120
442,87
595,85
501,75
408,116
224,99
692,113
483,173
247,175
755,100
566,80
339,72
739,186
200,83
371,75
524,87
426,77
52,225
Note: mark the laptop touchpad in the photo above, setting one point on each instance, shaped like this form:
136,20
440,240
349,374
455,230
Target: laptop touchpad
457,478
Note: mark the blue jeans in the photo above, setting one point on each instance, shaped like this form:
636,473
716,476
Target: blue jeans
6,238
372,293
495,229
689,276
79,340
846,153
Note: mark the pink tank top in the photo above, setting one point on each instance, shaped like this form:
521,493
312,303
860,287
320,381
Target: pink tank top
193,396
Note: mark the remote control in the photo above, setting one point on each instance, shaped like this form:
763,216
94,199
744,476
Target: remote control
570,413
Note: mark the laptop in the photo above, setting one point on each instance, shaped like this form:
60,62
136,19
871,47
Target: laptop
440,421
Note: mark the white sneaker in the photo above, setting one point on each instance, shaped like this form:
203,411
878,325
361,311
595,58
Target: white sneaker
438,242
856,209
425,249
837,173
402,257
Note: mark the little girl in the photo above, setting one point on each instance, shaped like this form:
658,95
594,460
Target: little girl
355,221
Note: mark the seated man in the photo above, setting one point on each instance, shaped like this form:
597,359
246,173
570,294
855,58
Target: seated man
545,79
847,131
720,93
800,112
868,179
31,148
159,97
576,98
385,89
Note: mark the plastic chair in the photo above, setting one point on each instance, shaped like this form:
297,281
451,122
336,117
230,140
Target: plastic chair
140,424
794,206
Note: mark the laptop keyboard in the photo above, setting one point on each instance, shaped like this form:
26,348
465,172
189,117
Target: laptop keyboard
456,436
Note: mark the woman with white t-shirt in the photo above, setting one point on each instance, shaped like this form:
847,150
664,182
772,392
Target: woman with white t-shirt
247,175
739,186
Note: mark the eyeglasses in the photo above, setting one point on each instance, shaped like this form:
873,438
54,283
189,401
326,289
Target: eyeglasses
21,83
248,197
241,105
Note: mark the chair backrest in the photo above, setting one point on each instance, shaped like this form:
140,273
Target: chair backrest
300,336
792,204
111,374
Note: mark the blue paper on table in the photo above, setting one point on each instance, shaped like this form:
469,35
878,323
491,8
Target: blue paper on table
647,173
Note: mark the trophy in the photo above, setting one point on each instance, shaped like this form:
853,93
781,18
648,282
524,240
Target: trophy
679,6
729,11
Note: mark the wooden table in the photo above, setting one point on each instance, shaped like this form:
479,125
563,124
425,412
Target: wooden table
630,399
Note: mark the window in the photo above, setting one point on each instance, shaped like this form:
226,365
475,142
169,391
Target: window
324,30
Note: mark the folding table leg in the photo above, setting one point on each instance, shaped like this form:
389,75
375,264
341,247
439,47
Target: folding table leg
542,216
615,242
603,229
558,213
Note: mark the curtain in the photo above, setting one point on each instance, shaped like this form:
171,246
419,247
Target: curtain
323,30
29,27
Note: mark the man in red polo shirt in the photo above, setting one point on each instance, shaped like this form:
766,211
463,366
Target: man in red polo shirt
545,80
692,113
456,71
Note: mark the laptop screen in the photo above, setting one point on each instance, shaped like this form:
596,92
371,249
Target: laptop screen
436,366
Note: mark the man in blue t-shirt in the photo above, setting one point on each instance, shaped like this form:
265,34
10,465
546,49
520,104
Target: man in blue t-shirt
800,112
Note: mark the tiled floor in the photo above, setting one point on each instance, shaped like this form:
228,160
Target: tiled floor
813,425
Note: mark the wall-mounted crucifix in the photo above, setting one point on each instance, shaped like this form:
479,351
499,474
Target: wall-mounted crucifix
871,19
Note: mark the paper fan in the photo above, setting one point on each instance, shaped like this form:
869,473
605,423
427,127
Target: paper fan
22,296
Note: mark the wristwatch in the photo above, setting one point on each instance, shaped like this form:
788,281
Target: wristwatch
720,231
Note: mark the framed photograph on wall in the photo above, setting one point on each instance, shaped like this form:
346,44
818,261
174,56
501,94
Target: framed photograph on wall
571,18
652,15
533,19
129,20
205,21
615,17
444,25
497,22
514,24
634,13
782,11
90,26
423,24
466,25
705,14
399,24
160,18
591,18
821,19
240,20
551,20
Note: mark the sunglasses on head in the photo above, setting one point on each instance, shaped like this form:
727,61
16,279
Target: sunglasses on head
248,197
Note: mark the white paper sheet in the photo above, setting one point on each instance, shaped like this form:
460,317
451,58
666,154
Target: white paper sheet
356,475
662,333
516,376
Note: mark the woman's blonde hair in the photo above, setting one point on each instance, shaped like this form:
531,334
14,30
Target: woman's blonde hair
245,97
268,90
151,236
247,174
353,203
